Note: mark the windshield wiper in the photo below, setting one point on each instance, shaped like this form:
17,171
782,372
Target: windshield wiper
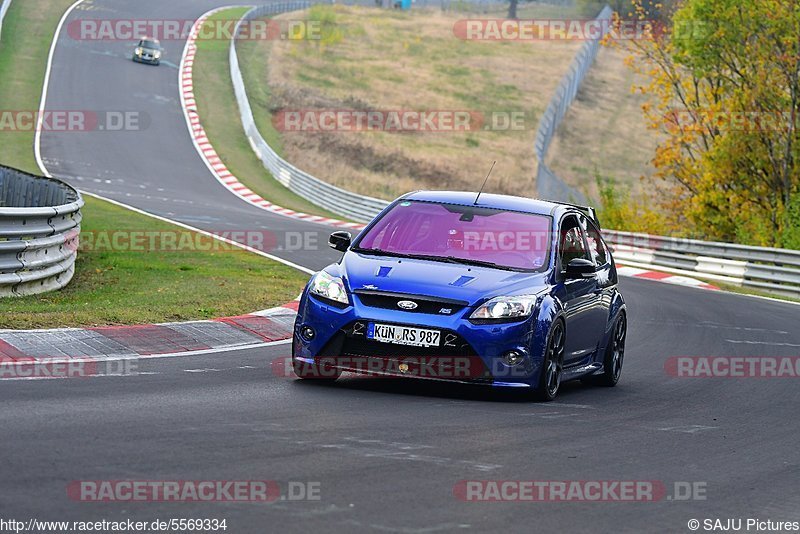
469,261
443,259
483,263
378,252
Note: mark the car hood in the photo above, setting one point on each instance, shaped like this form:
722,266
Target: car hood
433,278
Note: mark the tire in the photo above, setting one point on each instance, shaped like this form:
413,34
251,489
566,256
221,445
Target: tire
615,355
553,364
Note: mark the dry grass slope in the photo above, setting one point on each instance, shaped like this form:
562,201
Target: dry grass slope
604,131
412,61
387,60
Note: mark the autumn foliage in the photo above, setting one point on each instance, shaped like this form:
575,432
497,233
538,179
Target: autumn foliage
724,82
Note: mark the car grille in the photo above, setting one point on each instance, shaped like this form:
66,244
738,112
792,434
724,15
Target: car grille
351,344
425,304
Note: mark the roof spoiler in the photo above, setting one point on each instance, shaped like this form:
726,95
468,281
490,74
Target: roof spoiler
586,210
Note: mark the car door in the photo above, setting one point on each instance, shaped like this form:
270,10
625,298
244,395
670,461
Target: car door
606,274
581,297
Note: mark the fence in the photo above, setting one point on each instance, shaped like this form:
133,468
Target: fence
39,227
770,269
548,185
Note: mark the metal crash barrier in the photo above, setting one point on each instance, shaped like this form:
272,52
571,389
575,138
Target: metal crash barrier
40,222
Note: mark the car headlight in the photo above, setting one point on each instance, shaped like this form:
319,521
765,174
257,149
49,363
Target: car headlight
506,308
156,54
138,51
329,287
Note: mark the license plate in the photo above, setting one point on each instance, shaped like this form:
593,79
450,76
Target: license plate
403,335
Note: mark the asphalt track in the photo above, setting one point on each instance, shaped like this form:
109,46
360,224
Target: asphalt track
156,169
387,453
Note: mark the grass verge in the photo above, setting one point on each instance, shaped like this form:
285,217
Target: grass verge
216,104
27,33
137,287
120,286
731,288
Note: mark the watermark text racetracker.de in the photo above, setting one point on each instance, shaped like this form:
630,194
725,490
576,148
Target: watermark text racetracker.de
72,120
578,491
398,120
443,367
188,241
51,368
559,29
733,366
89,29
719,121
534,243
242,491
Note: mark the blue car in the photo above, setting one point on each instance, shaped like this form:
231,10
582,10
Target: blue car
487,289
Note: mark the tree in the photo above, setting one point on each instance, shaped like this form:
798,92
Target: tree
512,9
724,79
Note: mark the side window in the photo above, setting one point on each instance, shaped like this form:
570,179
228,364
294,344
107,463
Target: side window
596,245
572,245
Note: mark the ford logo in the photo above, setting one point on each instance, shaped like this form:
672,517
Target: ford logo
407,304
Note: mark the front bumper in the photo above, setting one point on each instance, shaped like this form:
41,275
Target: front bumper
468,352
151,60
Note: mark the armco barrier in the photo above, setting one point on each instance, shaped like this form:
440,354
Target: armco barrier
548,185
39,227
770,269
357,207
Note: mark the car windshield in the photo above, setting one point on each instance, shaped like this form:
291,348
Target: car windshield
149,44
461,234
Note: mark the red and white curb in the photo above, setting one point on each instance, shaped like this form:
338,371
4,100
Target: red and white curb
210,156
635,272
30,348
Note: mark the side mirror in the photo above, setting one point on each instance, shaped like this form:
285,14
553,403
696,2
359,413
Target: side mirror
340,240
580,268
